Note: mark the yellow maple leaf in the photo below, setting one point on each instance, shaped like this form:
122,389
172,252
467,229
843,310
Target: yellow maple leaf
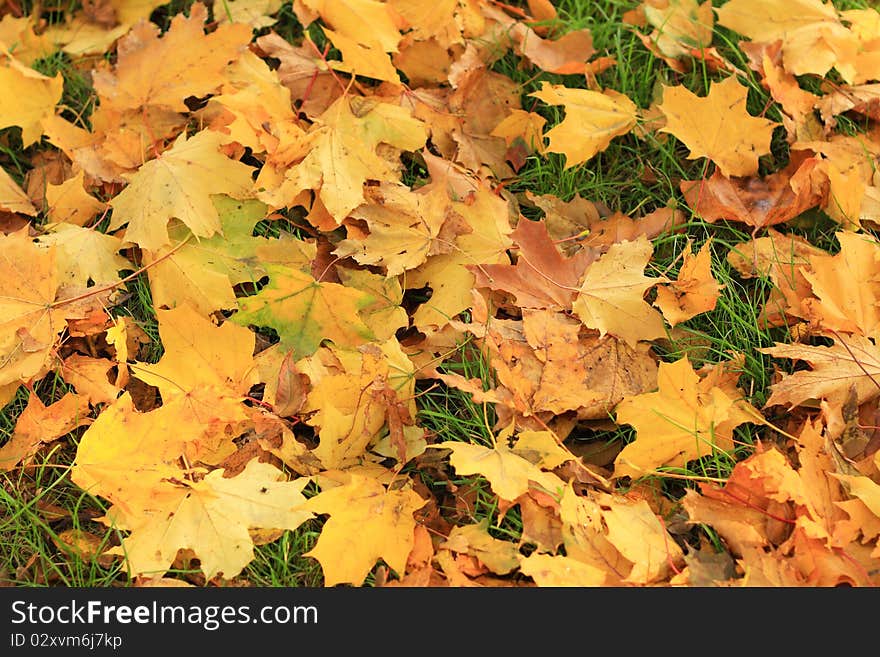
813,38
79,35
212,517
842,306
150,70
592,120
362,56
137,460
527,126
261,114
343,154
129,457
501,557
556,570
85,255
198,352
256,13
718,126
688,417
484,239
403,228
694,291
610,298
17,37
352,393
179,184
385,523
28,98
70,203
853,360
29,325
12,197
508,473
431,21
680,26
40,424
637,533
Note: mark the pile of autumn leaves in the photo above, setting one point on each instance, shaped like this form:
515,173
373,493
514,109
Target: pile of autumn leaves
188,450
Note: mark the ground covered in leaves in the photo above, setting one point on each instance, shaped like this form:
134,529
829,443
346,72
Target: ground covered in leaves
449,293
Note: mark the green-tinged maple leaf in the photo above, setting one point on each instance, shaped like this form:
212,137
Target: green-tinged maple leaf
367,523
204,272
305,311
179,184
385,315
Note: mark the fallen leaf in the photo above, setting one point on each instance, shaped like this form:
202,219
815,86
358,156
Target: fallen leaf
695,289
840,305
12,197
559,570
205,272
343,155
212,518
197,352
509,474
149,70
155,195
39,424
725,132
70,203
758,202
386,521
688,417
305,311
30,98
611,296
500,557
849,361
813,38
592,120
29,325
542,277
85,257
680,26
